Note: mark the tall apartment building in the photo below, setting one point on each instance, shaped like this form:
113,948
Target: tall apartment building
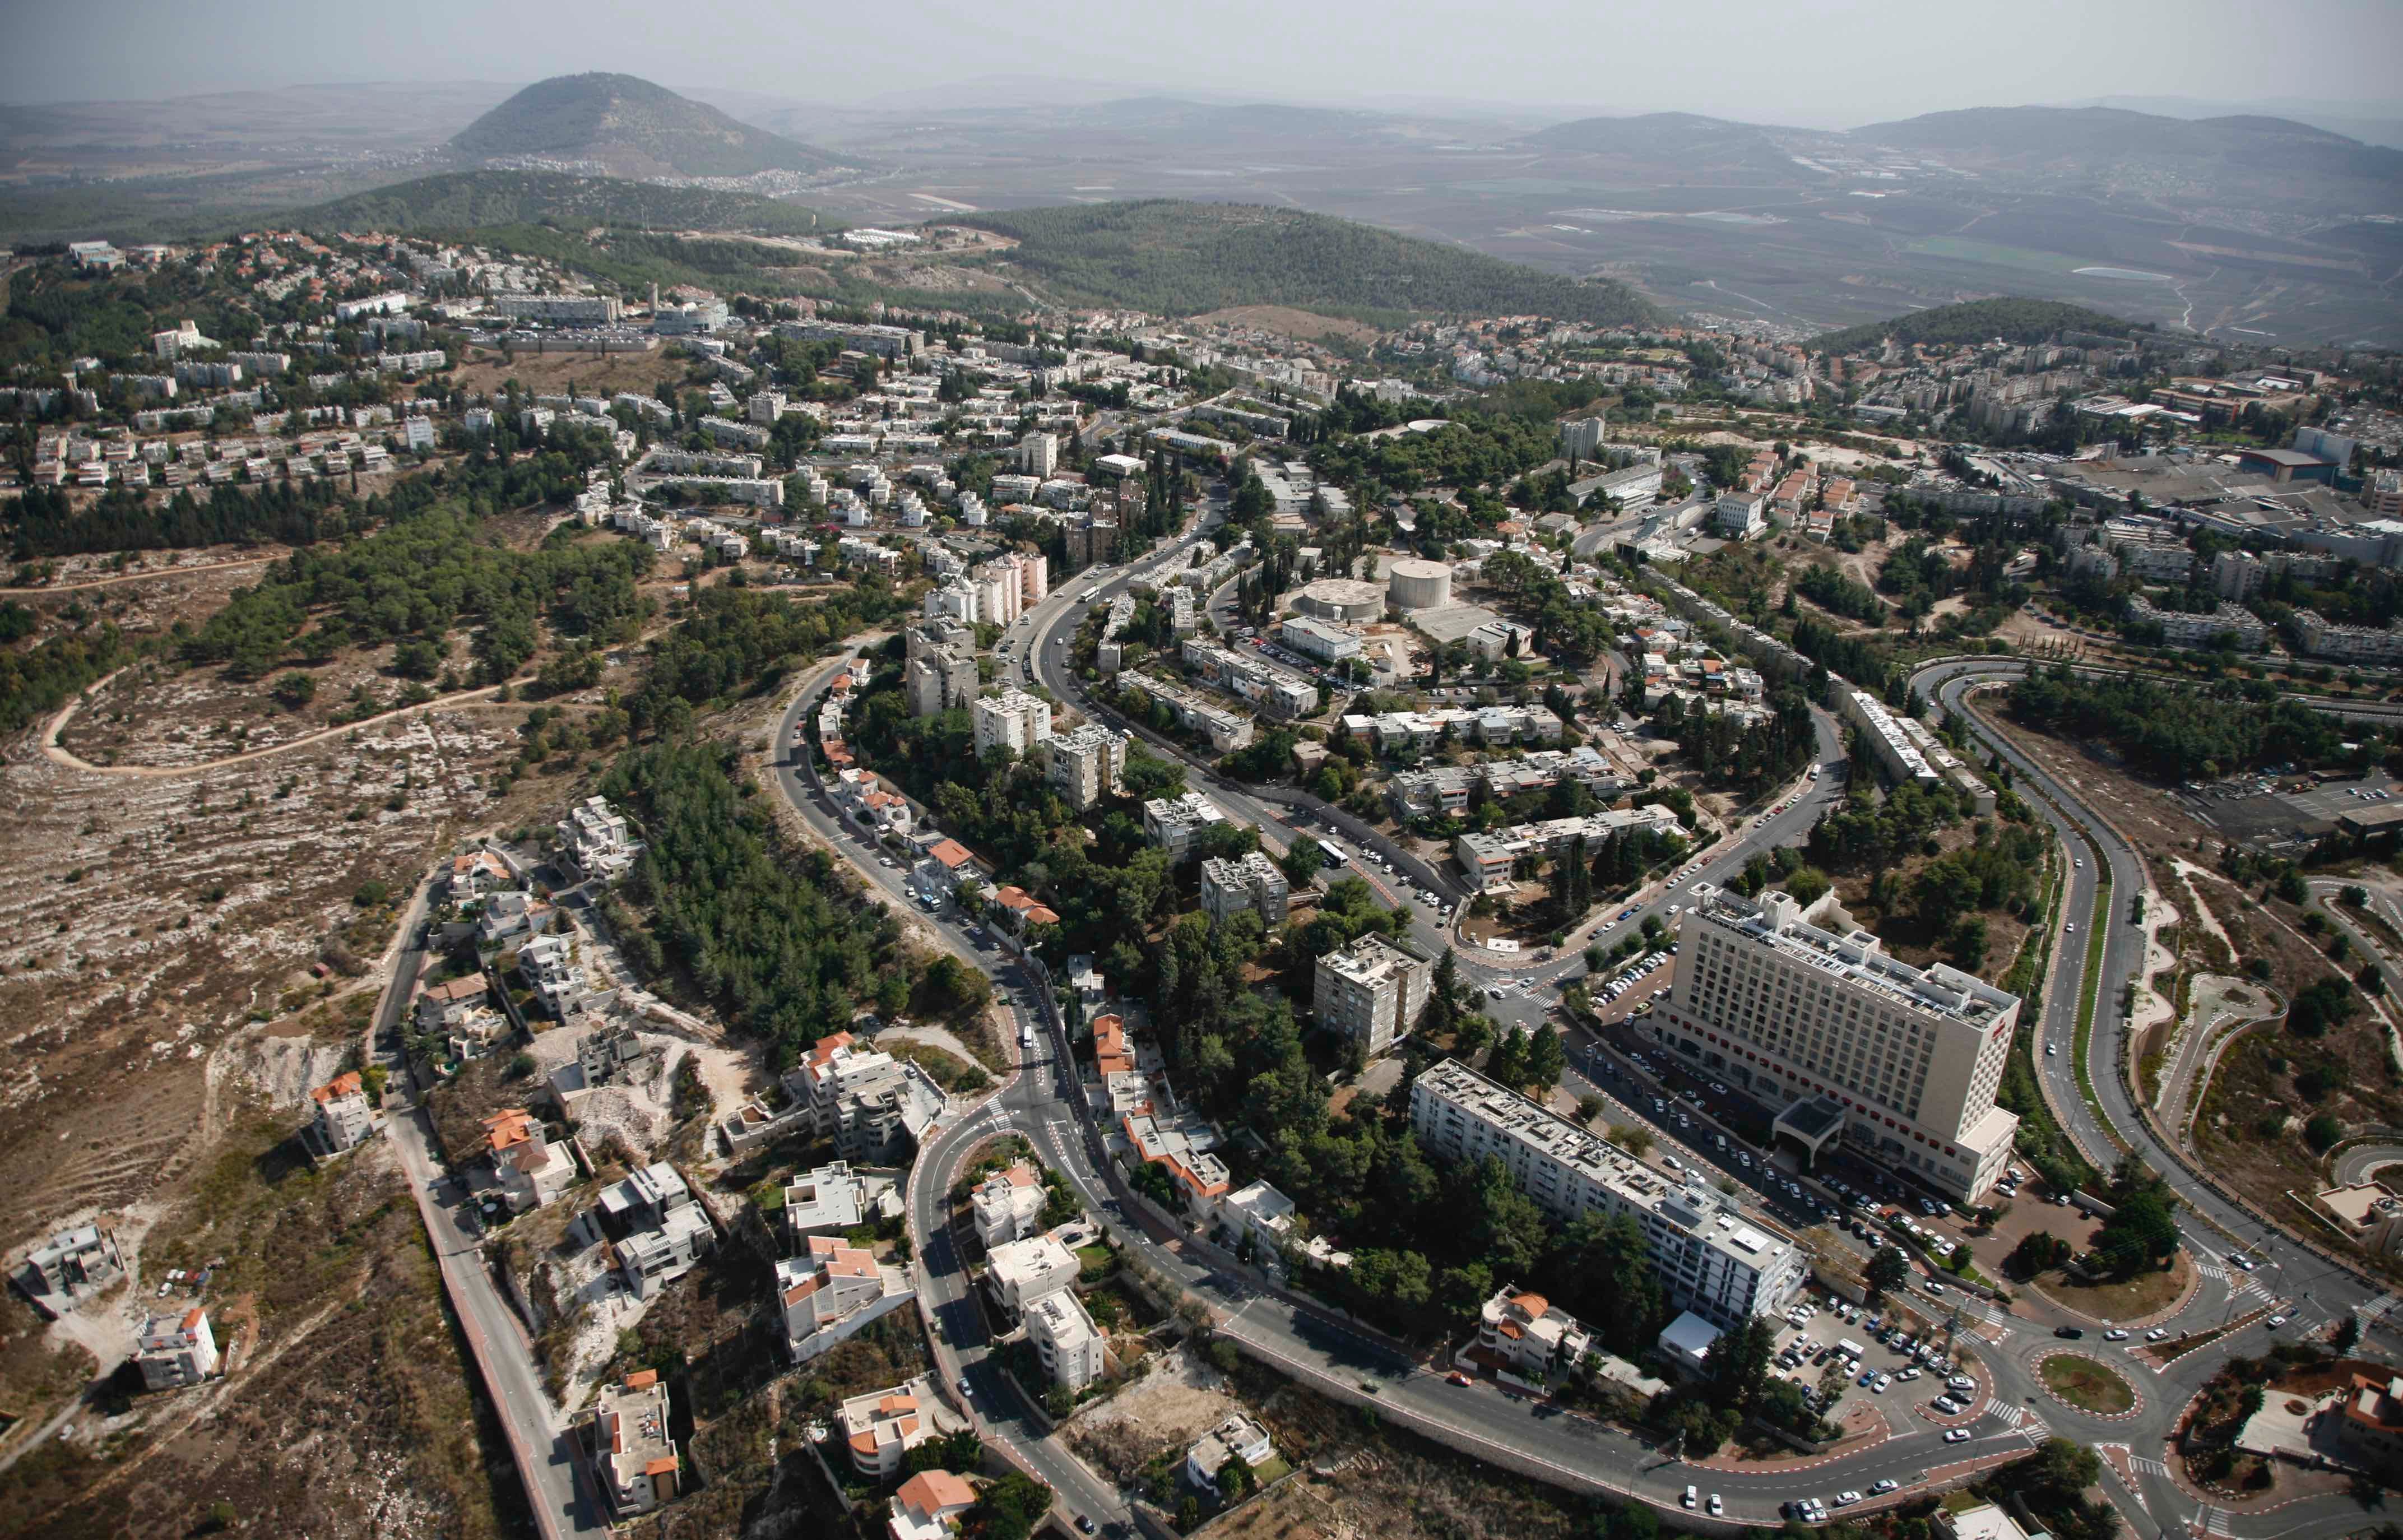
1231,886
1177,823
583,310
1712,1258
1013,721
1803,1015
1087,764
1038,454
942,672
1064,1338
1371,990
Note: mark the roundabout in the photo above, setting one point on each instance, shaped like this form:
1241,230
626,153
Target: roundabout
2088,1384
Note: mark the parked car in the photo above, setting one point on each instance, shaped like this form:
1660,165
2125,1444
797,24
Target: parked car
1688,1499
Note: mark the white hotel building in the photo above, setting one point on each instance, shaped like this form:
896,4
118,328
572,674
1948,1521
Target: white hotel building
1713,1258
1801,1016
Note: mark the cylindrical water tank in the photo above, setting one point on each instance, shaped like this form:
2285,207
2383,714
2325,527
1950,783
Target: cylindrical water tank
1416,584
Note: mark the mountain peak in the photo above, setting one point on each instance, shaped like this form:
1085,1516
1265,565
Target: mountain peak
630,127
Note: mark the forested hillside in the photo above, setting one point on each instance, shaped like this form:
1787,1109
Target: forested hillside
463,201
1180,258
1979,320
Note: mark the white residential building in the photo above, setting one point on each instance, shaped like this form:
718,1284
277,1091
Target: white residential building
881,1427
1007,1204
1023,1271
178,1352
1909,1057
633,1454
1239,1437
1738,515
869,1103
1012,720
665,1228
1371,992
832,1291
2200,628
1324,640
344,1116
1086,765
1064,1338
1177,823
1038,455
928,1506
1231,884
1712,1257
1522,1334
70,1267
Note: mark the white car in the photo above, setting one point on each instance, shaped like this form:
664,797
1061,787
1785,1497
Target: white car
1885,1486
2117,1334
1716,1506
2275,1321
1956,1435
1688,1499
1846,1499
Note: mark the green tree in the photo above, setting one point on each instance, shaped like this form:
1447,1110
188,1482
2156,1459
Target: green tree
295,690
1886,1271
1546,1057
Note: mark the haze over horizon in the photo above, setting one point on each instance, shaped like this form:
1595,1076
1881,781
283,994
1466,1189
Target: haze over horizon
1838,66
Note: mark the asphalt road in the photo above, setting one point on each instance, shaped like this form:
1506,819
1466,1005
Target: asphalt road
2310,1289
1311,1343
562,1501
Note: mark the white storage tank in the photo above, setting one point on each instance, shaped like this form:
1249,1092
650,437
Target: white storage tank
1418,584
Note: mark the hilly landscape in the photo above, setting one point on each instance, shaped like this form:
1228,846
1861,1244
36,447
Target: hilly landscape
2268,162
630,127
462,200
1978,321
1184,258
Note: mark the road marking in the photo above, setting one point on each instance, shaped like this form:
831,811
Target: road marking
2146,1465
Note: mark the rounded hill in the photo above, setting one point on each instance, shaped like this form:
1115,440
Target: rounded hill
631,128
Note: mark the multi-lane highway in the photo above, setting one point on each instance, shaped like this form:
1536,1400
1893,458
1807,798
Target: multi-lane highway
2310,1289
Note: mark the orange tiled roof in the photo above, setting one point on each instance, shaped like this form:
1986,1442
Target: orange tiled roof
508,1127
642,1379
345,1084
930,1491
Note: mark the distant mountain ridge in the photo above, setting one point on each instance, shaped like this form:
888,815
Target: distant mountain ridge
1173,257
633,128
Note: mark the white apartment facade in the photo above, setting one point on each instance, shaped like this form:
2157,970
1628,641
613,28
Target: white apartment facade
1087,764
1233,885
1793,1012
1012,720
1712,1257
1177,823
1371,992
1064,1338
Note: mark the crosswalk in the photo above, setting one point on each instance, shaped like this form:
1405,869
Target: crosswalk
2146,1466
2377,1309
2010,1413
2214,1520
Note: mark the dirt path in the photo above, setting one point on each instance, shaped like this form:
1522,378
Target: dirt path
59,754
139,577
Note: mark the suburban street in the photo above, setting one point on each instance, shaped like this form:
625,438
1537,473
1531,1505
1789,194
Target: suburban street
559,1495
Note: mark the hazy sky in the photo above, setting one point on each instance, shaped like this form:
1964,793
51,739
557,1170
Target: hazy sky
1831,62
